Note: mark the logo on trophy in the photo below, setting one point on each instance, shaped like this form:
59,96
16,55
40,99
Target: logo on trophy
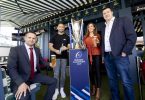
76,34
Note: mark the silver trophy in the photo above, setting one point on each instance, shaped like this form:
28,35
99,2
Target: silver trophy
77,33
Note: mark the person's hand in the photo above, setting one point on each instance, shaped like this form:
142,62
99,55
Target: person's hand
123,54
22,89
97,41
57,52
63,48
83,46
52,65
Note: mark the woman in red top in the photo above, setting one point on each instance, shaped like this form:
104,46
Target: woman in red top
92,42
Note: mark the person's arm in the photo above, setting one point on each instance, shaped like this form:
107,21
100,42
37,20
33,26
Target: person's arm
50,45
22,89
46,64
12,66
84,43
68,46
14,75
99,38
64,48
130,35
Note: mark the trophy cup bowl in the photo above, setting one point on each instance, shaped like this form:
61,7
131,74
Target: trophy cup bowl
77,32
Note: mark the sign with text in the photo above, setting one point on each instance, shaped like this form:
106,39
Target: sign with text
79,74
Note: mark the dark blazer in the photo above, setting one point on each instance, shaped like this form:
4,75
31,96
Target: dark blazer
19,65
122,38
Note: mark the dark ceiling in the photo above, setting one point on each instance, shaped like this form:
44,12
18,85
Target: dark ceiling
23,12
26,12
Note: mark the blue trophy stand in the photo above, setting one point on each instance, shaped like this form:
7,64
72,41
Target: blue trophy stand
79,74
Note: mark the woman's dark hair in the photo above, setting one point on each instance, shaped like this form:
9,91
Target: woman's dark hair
95,30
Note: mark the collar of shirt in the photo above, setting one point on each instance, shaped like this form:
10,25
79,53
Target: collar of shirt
60,33
112,20
28,51
27,47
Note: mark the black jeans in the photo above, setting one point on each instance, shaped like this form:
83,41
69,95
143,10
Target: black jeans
94,71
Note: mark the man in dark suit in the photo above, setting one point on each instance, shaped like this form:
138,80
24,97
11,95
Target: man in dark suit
23,68
118,40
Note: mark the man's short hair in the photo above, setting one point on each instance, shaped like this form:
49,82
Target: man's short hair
60,23
29,32
107,8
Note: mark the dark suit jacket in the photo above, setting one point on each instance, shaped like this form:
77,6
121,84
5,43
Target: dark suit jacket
122,38
19,65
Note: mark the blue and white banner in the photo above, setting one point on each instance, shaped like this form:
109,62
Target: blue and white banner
79,74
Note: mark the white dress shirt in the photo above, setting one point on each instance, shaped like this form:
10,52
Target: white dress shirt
34,53
108,29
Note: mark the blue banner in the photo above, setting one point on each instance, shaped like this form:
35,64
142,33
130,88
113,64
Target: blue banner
79,74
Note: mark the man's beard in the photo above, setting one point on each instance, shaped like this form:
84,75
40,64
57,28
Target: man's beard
61,32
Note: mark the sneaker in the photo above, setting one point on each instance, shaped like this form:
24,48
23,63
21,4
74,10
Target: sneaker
55,94
63,95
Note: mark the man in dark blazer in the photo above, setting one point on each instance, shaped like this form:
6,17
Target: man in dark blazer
24,71
118,40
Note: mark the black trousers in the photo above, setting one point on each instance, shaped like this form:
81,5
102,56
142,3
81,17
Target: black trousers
94,71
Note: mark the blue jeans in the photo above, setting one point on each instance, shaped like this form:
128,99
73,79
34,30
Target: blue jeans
60,69
119,66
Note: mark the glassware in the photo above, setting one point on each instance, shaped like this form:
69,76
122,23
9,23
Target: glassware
53,59
96,39
60,50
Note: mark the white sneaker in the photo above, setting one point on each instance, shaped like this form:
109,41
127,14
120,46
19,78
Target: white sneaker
55,94
63,95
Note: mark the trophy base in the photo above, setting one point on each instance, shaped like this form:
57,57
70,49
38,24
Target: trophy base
78,60
77,46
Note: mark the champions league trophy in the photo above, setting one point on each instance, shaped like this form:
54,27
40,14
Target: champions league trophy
78,60
77,34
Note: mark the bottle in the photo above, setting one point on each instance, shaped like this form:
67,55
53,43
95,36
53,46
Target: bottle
60,50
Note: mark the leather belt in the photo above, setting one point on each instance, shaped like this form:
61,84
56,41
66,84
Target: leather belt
108,53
